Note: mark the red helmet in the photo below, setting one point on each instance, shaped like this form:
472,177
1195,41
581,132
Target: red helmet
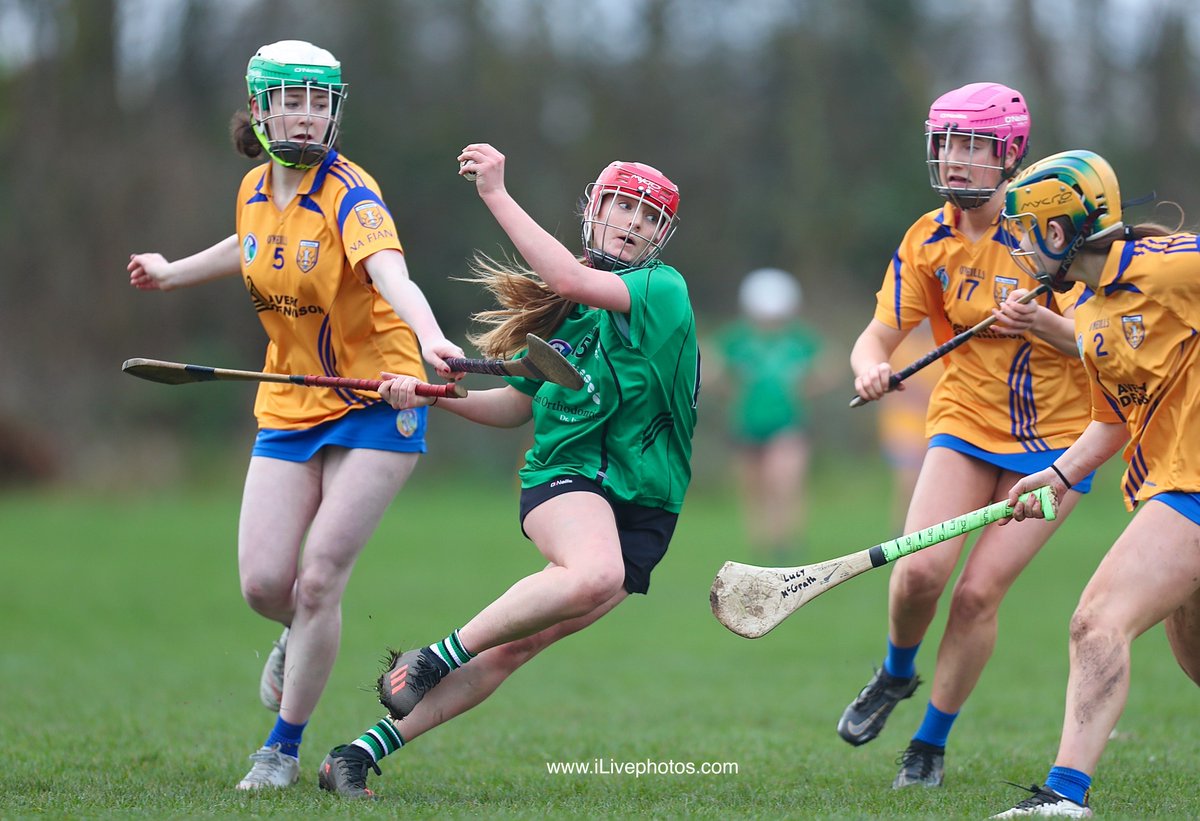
653,196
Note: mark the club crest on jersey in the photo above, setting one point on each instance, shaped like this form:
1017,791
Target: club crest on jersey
1135,330
942,277
407,422
560,345
249,248
306,254
1002,288
370,214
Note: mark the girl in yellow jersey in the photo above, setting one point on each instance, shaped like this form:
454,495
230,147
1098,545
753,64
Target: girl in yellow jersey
318,252
1008,402
1137,325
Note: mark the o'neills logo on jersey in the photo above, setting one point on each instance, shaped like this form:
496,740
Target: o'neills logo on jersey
306,254
280,303
370,214
1135,330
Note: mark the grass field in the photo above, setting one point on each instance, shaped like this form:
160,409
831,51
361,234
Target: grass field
130,665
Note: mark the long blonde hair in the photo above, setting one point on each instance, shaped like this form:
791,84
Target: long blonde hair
527,306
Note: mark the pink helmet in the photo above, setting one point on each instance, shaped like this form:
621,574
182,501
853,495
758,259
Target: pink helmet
650,188
989,112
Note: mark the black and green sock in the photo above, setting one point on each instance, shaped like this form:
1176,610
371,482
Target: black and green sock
451,651
382,739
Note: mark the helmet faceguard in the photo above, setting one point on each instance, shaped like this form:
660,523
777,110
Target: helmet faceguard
298,91
1079,190
634,203
991,118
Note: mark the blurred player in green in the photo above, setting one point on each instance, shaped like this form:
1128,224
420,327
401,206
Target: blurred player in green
764,361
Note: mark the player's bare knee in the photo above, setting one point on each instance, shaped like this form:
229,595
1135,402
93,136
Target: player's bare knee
919,583
316,590
596,585
266,596
974,603
1092,634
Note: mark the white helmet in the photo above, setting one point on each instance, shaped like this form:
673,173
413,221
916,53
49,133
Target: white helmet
770,294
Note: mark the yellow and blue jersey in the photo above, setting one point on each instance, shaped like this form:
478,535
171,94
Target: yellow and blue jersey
1002,394
1139,335
303,269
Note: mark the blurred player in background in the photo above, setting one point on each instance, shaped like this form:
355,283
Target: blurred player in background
764,361
1138,326
319,254
1007,404
604,481
901,420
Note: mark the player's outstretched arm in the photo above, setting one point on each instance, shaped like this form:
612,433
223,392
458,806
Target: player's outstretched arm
152,272
389,272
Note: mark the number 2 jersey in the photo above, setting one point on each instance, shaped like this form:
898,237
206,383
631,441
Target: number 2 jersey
1139,335
630,426
1003,394
303,269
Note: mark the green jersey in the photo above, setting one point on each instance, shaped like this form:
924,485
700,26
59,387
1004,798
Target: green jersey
768,367
630,426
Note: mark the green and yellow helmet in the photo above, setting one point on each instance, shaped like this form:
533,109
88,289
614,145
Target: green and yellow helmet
1076,187
296,80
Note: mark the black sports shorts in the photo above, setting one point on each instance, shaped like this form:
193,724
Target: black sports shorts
645,532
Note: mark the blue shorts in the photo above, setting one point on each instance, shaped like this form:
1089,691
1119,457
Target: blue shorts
1186,505
1022,463
375,427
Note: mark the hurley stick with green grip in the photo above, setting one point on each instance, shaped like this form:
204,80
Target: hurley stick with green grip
752,601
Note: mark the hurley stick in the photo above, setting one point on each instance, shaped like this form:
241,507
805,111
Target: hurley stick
751,601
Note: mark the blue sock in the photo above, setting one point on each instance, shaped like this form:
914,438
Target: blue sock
935,729
901,661
1070,784
287,736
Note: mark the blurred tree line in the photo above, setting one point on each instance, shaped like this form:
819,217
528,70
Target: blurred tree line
794,130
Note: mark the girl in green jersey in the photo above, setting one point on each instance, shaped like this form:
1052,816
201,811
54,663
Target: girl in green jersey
767,359
605,478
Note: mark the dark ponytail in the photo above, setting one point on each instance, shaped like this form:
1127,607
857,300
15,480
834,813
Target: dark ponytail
245,141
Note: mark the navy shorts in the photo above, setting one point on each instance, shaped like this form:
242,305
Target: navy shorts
645,532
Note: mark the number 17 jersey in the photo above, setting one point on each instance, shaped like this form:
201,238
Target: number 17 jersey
1003,394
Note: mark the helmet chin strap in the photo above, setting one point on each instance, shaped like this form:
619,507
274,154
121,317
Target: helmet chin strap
298,155
604,262
1058,281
